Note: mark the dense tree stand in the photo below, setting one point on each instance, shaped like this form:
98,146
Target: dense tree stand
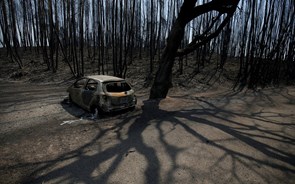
113,37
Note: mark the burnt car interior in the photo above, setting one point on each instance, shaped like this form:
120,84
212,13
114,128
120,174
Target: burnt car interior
91,85
80,83
117,87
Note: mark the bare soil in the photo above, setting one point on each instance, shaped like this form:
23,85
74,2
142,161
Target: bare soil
203,132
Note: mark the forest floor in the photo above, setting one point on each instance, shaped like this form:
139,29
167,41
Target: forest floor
203,132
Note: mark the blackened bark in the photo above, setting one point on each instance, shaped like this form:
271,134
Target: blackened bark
163,79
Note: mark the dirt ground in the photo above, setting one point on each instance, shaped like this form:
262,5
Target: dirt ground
212,136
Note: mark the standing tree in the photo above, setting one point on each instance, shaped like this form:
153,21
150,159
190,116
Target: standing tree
187,13
8,24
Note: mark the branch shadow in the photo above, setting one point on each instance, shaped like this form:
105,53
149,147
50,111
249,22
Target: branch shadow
81,168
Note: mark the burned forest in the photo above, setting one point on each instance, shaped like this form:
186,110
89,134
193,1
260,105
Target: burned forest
147,91
112,36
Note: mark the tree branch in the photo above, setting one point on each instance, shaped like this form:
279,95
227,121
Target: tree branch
203,39
222,6
218,5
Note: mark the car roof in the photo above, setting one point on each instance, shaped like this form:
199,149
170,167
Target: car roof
104,78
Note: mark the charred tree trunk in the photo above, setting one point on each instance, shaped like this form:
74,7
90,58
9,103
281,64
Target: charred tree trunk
81,36
163,79
15,40
51,37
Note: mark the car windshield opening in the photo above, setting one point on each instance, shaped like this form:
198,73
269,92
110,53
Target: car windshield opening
117,87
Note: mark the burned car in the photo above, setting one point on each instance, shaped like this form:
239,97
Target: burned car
102,92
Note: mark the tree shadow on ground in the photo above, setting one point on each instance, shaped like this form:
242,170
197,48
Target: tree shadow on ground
81,168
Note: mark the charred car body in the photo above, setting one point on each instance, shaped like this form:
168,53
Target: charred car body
102,92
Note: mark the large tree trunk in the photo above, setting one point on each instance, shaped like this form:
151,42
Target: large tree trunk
163,79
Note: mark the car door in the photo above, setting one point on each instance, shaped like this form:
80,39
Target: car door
76,92
88,94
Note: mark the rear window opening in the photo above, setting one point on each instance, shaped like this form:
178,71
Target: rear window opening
117,87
